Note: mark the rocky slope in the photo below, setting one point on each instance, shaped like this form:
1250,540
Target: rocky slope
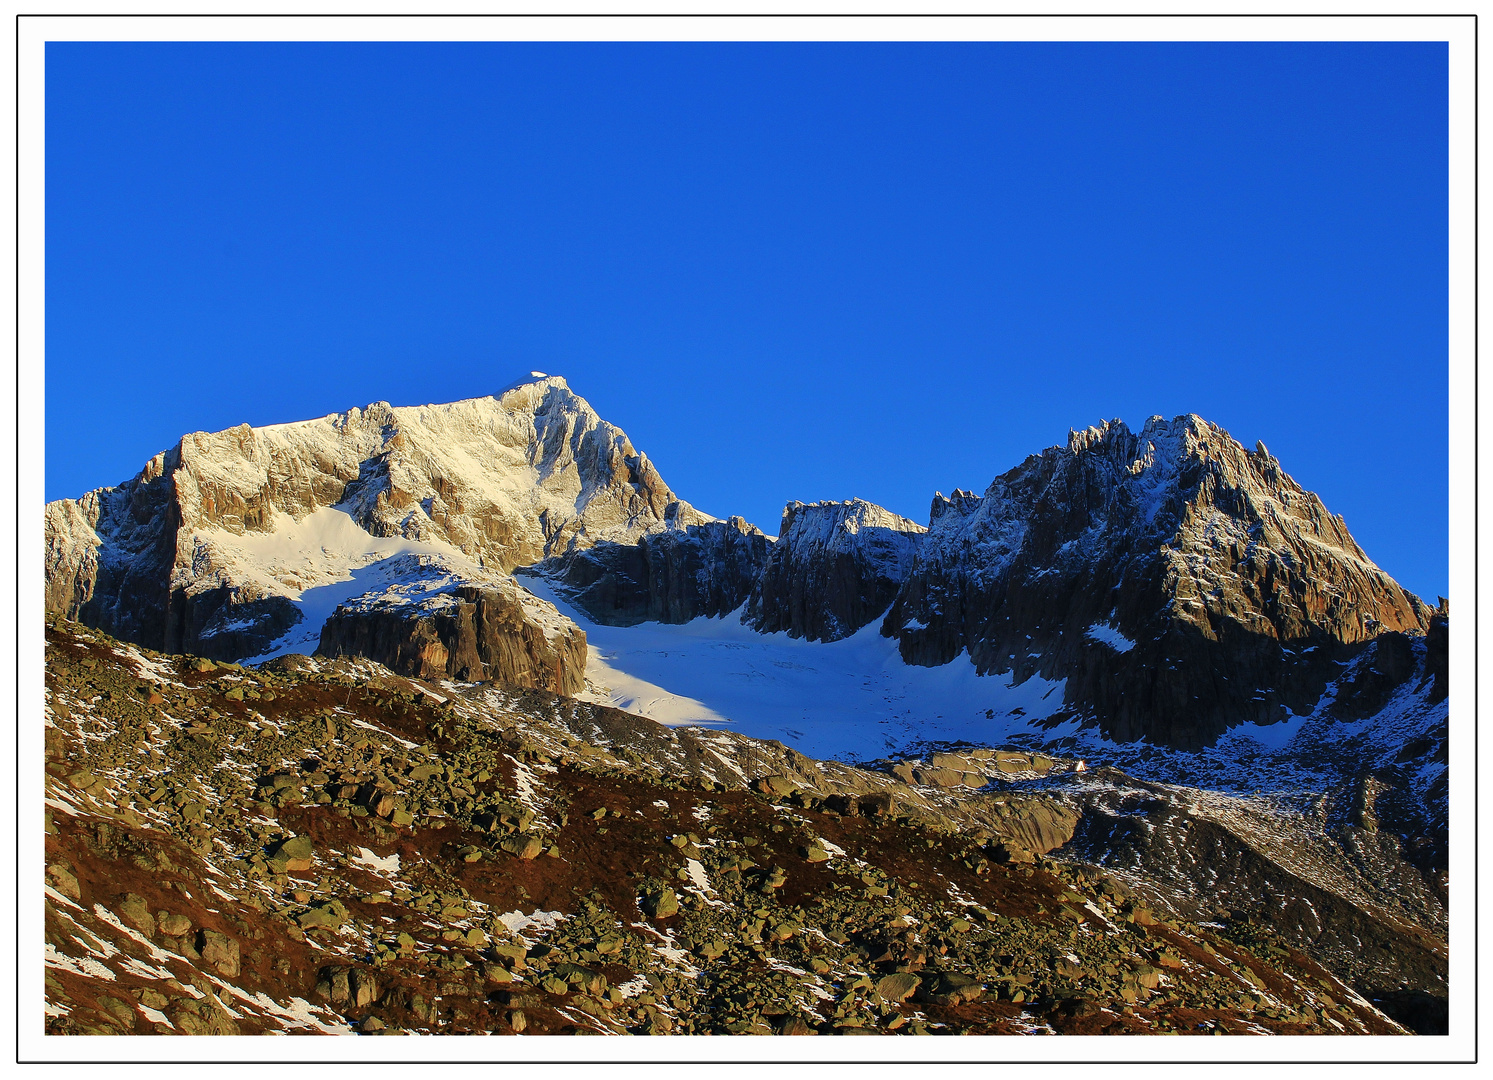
834,569
326,847
229,544
1179,583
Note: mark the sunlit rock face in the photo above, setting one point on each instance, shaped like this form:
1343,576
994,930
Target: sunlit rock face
229,542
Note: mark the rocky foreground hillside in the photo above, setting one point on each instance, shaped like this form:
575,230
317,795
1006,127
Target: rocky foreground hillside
322,846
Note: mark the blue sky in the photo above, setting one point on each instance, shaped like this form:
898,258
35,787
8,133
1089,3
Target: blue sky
797,271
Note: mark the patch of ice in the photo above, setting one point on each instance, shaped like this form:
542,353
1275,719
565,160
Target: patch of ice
154,1015
382,731
57,898
134,935
145,971
84,965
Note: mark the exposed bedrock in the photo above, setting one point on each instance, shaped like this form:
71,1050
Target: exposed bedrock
835,567
481,634
672,577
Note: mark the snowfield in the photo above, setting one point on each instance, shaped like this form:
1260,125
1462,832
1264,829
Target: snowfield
327,559
856,700
852,700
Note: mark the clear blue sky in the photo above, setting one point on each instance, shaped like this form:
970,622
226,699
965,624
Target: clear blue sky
787,271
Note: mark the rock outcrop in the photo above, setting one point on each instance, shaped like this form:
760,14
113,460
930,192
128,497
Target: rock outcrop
672,577
473,634
1179,583
835,568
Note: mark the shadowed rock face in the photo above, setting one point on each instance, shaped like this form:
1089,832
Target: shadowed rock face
834,569
672,577
1179,583
479,634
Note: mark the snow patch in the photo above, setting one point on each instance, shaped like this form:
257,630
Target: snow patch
387,865
517,922
1108,635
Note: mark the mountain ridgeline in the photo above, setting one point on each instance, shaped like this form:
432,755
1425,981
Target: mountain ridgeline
1176,583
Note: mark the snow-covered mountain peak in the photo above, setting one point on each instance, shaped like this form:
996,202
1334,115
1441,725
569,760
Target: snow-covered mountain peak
495,482
531,379
832,523
834,568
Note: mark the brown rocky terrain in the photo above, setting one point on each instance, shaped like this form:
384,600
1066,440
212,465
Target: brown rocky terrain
323,846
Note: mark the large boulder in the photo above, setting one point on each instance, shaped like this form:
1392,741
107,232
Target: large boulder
497,632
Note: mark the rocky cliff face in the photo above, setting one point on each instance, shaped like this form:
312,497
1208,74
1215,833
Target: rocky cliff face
835,568
1179,583
220,545
672,577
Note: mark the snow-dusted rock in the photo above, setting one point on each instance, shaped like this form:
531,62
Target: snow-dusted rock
1180,583
240,543
835,568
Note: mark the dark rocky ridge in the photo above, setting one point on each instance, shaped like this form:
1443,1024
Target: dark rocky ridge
672,577
834,569
1179,583
1206,870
